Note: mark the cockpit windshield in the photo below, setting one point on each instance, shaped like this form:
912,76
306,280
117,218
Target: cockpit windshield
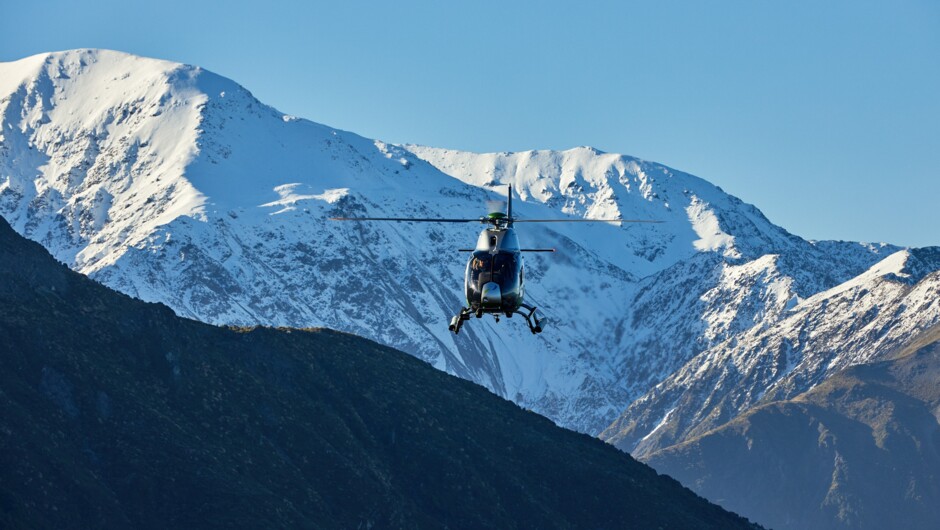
501,268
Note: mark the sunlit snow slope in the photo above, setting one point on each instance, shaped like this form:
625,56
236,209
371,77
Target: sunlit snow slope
173,184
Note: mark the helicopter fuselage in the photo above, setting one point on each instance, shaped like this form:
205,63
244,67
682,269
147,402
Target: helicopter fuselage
495,275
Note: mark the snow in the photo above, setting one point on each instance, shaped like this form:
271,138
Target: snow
706,227
662,422
290,196
15,73
892,265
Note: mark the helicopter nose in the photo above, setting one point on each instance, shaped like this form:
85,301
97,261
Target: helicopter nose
490,295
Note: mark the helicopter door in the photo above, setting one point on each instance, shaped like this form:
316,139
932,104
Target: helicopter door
506,274
479,272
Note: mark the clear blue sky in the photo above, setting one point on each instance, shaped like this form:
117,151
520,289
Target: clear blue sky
825,114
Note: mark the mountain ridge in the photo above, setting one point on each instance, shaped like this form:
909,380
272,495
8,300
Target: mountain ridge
847,315
863,447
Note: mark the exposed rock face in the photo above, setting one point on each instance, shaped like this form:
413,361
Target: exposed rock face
861,450
857,322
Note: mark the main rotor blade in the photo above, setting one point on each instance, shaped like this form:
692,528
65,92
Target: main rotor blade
584,221
520,250
406,219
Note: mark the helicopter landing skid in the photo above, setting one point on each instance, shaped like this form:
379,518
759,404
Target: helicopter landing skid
535,325
457,322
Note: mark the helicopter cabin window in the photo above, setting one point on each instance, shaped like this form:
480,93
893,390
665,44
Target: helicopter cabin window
481,268
499,268
504,267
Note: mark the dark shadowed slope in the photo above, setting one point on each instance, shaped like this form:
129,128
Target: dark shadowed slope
860,451
118,413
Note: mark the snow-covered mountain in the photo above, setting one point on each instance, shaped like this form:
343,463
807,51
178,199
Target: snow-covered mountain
175,185
857,451
864,320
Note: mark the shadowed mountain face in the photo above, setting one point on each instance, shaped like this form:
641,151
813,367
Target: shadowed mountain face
118,413
861,450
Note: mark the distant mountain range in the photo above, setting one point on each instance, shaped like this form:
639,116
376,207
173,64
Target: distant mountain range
862,449
117,413
175,185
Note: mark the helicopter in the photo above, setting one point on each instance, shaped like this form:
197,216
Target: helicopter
494,281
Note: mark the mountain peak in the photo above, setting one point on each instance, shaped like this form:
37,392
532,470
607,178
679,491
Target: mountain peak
61,63
907,266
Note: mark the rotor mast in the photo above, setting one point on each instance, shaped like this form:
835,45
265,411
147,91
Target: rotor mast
509,208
